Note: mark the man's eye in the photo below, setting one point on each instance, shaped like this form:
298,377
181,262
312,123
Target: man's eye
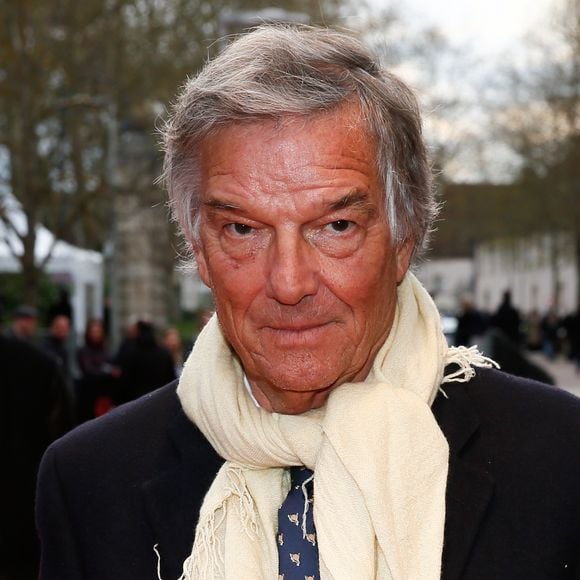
340,226
239,229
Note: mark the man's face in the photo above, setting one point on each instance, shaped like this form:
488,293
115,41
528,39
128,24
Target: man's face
60,328
296,248
25,326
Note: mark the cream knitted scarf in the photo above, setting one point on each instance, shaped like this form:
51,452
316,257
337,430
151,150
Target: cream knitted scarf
379,457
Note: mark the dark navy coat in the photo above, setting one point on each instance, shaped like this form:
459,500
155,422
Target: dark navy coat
114,488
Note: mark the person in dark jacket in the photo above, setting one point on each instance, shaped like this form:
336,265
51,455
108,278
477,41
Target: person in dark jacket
56,344
507,319
96,385
144,364
34,411
321,427
25,324
471,324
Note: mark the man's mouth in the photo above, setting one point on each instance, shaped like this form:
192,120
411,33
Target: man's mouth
297,327
298,333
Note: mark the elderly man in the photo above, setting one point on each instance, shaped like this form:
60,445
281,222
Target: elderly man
321,427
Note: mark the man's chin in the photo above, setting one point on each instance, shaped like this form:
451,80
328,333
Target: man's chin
295,394
297,402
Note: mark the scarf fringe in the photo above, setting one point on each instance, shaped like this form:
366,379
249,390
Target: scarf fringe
206,559
306,505
466,358
246,505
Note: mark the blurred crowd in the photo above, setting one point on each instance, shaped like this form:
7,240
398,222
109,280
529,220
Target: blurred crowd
96,378
507,333
51,382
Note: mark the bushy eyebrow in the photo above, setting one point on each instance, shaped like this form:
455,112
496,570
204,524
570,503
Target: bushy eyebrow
221,205
355,199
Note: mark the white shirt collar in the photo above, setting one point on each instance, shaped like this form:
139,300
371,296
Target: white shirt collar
249,389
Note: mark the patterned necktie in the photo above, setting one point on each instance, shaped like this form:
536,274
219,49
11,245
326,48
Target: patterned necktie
297,548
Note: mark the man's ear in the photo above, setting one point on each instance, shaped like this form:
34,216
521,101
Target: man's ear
404,254
201,262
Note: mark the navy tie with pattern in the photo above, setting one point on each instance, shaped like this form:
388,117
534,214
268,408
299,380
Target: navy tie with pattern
297,547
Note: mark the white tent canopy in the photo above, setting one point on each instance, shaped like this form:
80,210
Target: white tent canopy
81,270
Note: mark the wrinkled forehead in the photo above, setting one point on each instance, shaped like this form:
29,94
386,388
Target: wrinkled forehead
345,124
290,143
348,114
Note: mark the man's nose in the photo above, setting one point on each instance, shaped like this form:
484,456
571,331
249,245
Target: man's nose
293,269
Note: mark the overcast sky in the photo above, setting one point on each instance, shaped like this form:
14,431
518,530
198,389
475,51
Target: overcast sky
488,26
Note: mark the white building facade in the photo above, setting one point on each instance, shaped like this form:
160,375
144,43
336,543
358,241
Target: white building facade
448,281
539,271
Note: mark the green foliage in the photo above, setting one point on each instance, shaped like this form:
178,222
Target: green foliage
191,323
188,328
12,289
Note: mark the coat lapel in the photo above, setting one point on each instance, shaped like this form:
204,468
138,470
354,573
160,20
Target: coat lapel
469,484
173,499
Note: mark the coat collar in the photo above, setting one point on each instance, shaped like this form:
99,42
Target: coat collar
469,483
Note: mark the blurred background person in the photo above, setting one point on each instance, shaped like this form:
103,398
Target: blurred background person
534,331
62,306
129,337
172,342
56,343
507,319
25,324
550,334
511,357
34,411
96,383
470,324
143,363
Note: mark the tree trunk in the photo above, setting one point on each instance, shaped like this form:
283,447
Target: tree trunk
30,271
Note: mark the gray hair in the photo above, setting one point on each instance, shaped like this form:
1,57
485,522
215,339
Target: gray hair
282,70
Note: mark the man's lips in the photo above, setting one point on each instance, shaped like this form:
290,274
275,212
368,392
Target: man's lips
296,326
294,334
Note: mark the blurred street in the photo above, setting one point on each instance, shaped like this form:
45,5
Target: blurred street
562,369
